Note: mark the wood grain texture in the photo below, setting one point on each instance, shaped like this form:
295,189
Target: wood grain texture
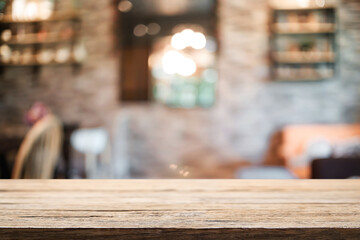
179,209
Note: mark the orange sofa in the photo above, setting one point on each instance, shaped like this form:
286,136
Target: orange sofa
291,142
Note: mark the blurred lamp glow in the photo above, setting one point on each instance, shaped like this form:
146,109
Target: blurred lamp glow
178,42
170,61
46,9
187,67
31,11
188,38
174,62
304,3
199,41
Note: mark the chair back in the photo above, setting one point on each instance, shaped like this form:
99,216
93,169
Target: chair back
39,152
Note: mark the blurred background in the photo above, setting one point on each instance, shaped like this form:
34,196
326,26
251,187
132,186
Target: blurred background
179,89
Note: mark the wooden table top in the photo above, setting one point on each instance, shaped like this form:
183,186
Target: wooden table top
179,209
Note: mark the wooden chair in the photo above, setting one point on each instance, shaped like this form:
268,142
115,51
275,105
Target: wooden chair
39,152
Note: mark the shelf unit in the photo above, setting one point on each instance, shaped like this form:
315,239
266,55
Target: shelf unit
303,28
300,57
297,8
34,63
303,48
37,40
56,16
31,39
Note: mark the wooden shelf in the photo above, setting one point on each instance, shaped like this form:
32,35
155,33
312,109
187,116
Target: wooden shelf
303,61
32,64
59,16
303,58
303,28
30,39
282,5
305,32
302,79
303,8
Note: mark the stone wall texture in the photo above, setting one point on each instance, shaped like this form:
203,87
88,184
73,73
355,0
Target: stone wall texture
155,141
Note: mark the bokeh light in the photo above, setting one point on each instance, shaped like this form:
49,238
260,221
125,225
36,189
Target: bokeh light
153,28
31,10
140,30
125,6
199,41
174,62
304,3
188,38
